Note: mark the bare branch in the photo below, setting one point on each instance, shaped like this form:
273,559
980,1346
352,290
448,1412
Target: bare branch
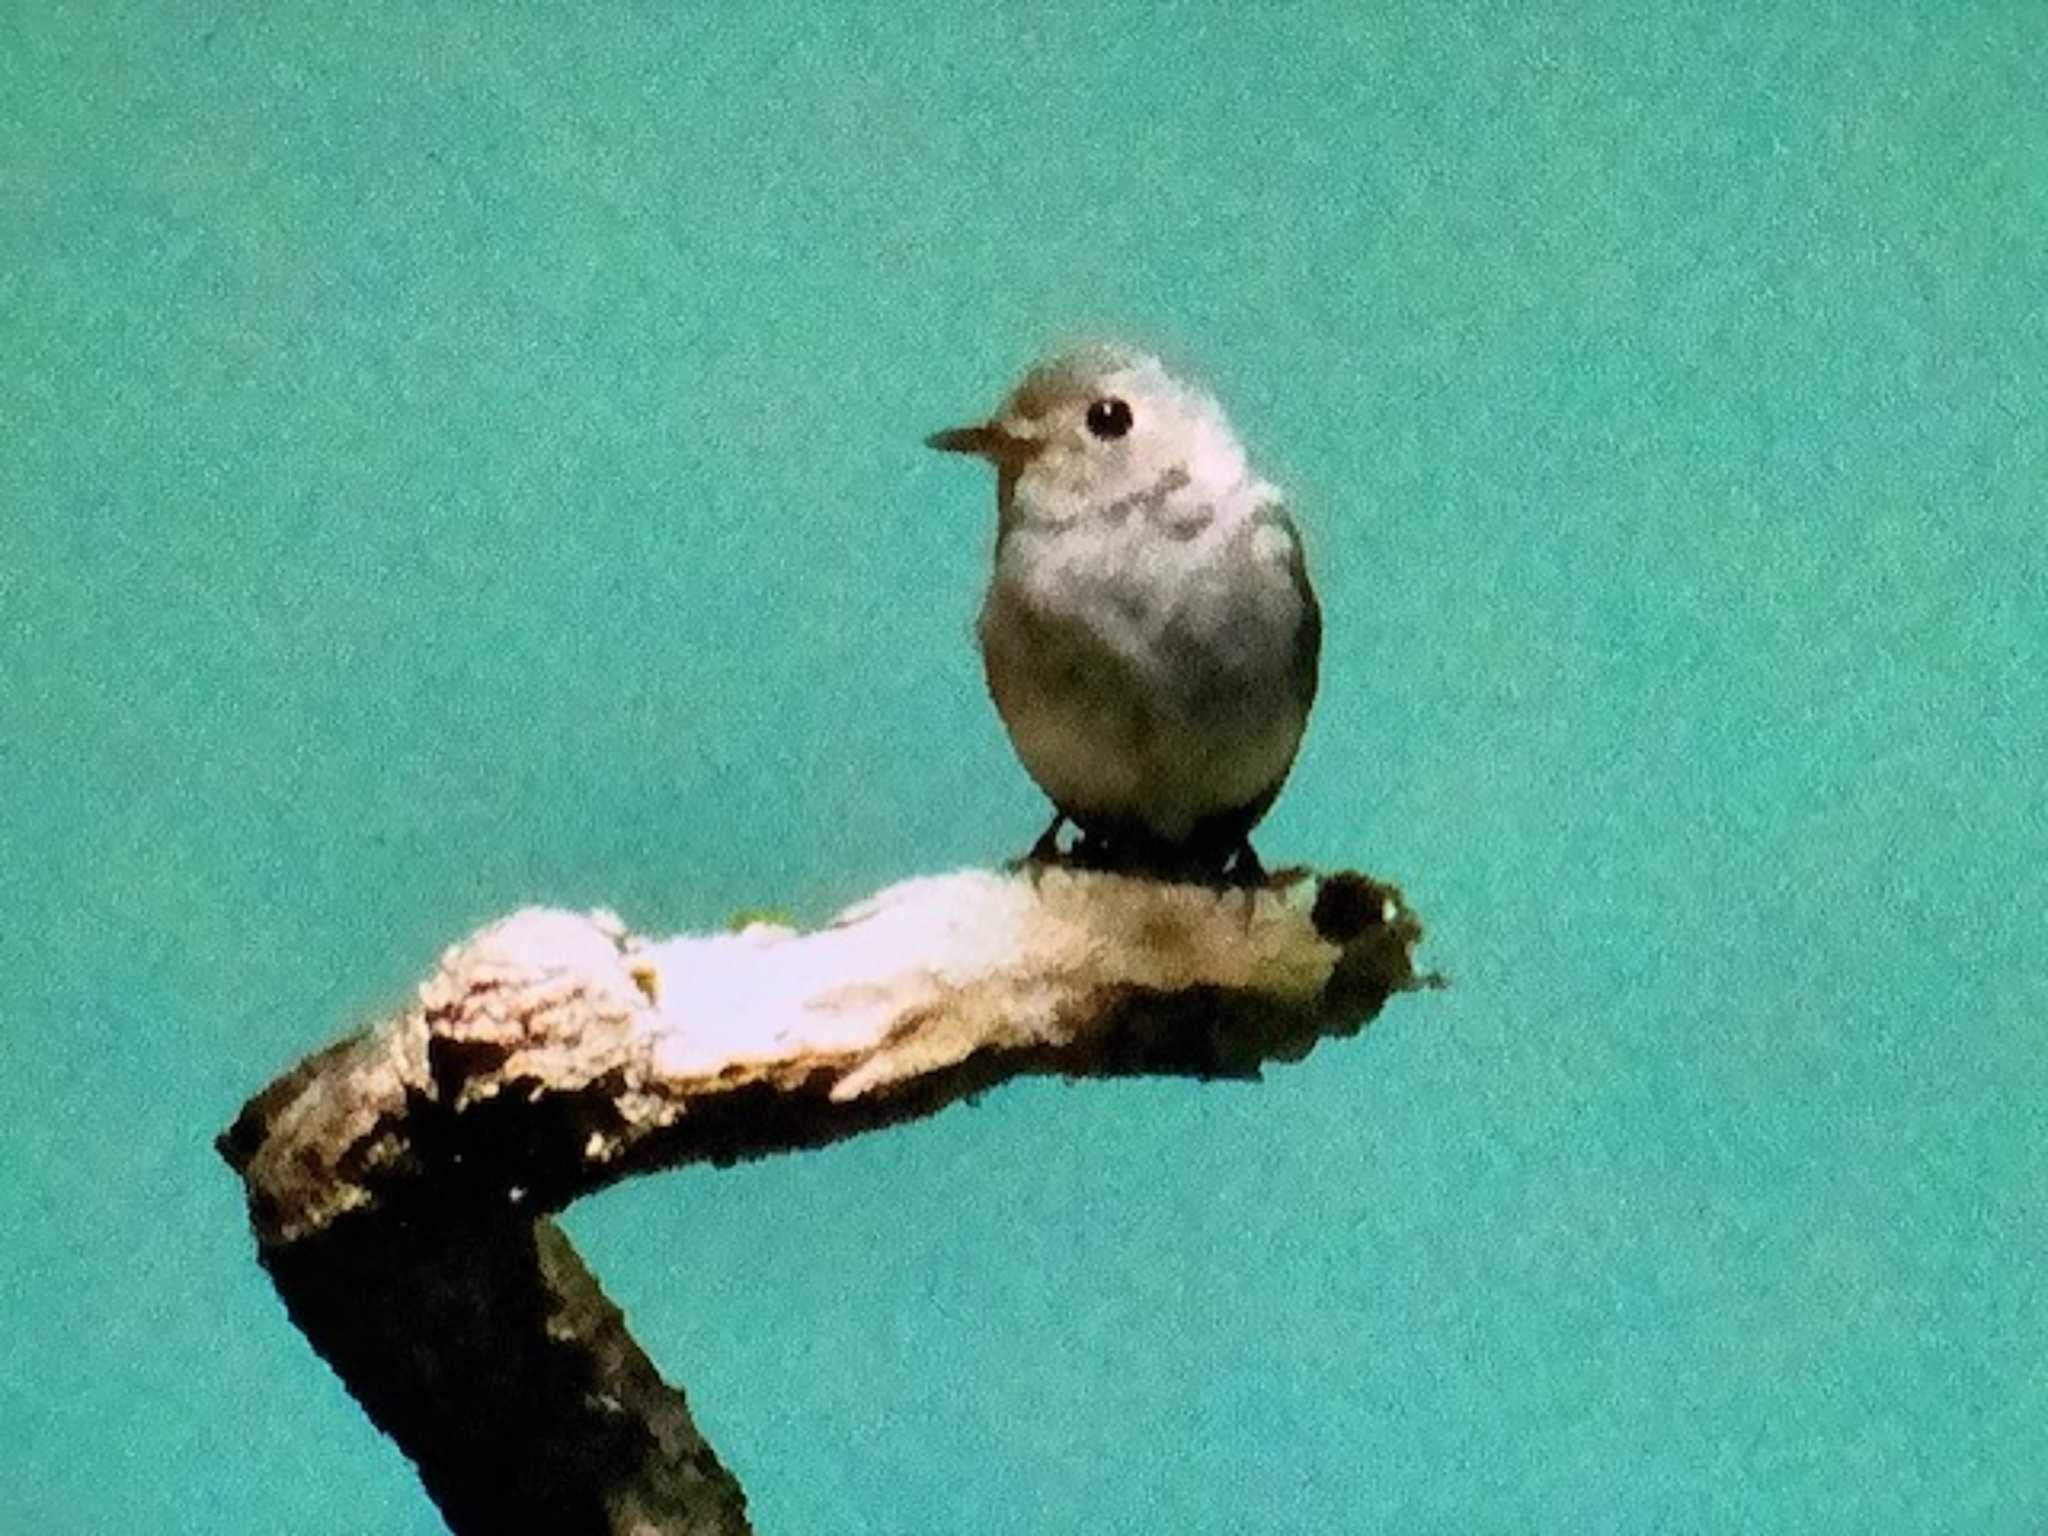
398,1182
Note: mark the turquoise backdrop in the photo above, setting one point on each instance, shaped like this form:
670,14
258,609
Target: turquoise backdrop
458,456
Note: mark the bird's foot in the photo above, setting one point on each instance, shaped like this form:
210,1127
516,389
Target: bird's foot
1243,869
1239,868
1245,872
1044,854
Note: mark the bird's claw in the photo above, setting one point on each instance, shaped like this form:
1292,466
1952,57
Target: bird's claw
1043,855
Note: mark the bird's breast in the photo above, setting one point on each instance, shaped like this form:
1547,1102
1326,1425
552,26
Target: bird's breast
1141,672
1196,617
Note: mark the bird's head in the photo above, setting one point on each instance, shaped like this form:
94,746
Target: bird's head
1089,429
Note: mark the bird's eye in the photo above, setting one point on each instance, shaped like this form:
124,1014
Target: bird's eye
1109,418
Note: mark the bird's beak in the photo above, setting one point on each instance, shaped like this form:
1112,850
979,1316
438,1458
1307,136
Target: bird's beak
989,440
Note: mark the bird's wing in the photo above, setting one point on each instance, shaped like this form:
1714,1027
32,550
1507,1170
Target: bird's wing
1308,635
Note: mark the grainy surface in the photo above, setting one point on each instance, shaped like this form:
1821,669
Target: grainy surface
399,1181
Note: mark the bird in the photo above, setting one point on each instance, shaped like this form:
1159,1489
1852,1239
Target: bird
1150,636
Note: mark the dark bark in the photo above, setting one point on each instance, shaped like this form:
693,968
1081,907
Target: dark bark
487,1351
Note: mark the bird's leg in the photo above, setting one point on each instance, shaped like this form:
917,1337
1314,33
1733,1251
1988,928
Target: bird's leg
1244,869
1097,850
1047,849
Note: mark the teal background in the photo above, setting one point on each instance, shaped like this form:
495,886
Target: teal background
453,457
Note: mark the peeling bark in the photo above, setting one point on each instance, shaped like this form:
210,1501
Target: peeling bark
399,1182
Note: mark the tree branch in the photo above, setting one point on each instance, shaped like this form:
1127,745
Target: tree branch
399,1181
